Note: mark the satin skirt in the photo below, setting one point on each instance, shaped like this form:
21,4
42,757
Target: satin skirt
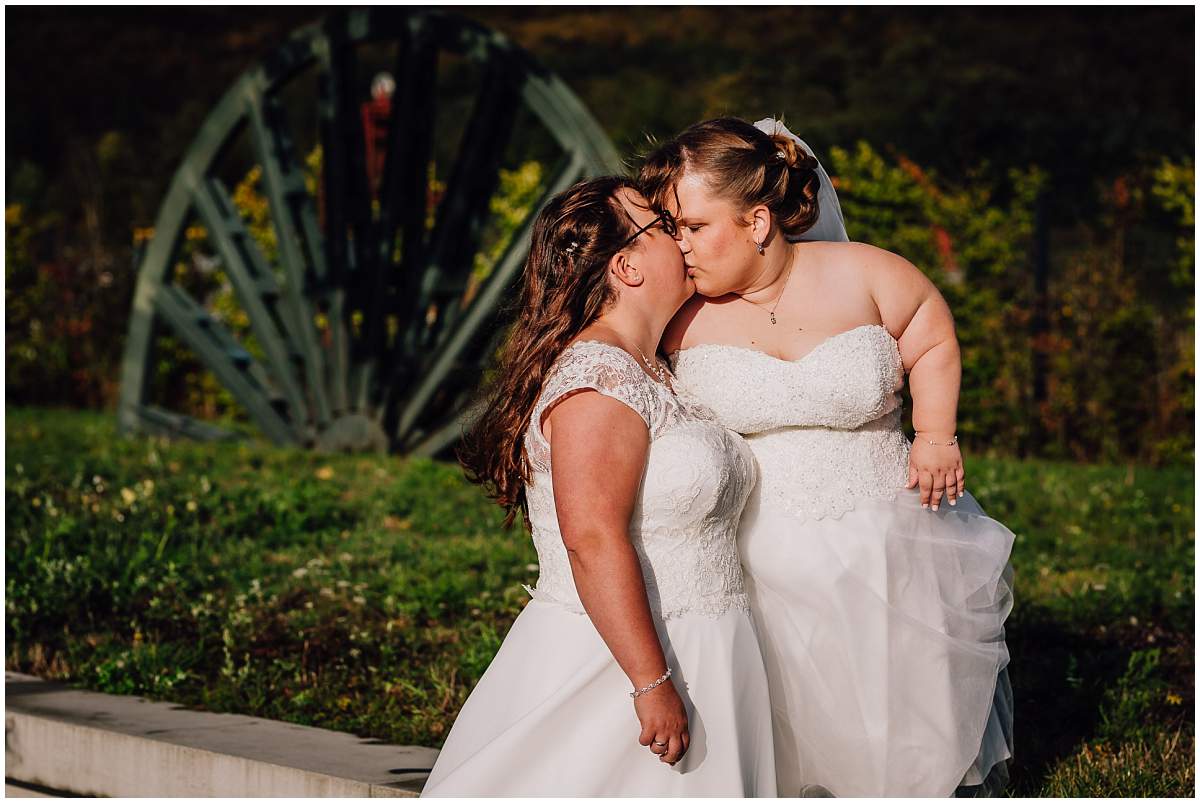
883,635
552,715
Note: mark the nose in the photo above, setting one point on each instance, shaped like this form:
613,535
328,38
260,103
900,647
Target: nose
683,245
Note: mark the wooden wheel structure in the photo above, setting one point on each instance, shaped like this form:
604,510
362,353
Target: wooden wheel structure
364,303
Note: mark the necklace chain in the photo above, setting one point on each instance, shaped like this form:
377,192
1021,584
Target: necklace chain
778,298
653,366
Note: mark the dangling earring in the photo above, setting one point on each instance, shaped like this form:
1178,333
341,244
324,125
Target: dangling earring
759,246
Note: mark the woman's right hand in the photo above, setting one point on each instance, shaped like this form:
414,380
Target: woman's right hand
664,721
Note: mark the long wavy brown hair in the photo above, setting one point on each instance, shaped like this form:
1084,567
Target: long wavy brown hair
564,288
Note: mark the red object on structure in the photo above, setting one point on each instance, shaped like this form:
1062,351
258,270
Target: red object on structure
375,115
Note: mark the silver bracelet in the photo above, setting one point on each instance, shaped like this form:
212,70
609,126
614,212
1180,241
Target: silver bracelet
653,685
953,441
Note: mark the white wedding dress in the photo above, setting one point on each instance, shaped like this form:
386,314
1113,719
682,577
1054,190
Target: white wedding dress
882,624
552,714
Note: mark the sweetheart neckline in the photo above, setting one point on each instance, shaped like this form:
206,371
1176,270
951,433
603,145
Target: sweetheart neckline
797,360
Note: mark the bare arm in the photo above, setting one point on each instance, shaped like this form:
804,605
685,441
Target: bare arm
910,304
598,452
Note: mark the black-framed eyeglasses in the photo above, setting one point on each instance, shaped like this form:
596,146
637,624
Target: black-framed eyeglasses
664,217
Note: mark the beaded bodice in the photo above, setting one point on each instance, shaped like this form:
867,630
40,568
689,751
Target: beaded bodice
824,428
697,478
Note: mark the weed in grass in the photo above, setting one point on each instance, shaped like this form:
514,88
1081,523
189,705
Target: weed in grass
1160,764
369,593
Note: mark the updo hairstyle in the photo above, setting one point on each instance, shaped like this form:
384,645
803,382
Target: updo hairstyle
742,164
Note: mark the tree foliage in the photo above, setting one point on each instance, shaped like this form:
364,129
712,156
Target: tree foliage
954,133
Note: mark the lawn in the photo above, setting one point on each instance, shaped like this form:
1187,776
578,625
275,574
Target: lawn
368,593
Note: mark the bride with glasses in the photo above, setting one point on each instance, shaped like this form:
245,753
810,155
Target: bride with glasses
635,669
879,586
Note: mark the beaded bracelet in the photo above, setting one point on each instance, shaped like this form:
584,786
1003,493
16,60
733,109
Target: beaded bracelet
653,685
953,441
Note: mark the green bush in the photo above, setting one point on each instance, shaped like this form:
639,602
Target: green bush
1118,293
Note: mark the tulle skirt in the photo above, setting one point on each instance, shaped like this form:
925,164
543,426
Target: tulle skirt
883,635
552,715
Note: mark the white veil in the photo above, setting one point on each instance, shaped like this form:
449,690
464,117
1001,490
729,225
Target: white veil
829,226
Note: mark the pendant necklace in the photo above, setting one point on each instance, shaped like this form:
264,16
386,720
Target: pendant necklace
774,306
653,366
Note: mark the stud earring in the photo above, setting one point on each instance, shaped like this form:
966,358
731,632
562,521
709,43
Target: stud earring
759,246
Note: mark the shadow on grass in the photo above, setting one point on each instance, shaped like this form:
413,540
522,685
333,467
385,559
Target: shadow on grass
1072,686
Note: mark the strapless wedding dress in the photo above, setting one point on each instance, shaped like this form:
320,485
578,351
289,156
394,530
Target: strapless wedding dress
882,624
552,713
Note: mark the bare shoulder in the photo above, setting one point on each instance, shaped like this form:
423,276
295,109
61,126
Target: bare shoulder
895,286
888,277
871,261
698,315
884,270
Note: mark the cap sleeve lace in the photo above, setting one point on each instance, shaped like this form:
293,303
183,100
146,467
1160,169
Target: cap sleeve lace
696,480
590,365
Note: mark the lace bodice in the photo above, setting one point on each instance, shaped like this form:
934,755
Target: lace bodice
697,478
824,428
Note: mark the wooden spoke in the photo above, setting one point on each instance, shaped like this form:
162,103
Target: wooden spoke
159,421
406,331
290,204
462,413
464,208
232,364
402,204
347,205
465,329
255,286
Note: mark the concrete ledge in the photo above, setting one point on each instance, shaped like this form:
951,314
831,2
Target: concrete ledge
95,744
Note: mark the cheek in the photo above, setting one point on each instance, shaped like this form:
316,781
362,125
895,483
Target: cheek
717,245
726,259
672,254
723,243
667,263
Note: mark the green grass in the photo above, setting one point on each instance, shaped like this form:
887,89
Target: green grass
368,593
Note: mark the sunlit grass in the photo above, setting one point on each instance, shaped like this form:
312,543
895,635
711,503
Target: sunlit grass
369,593
1163,765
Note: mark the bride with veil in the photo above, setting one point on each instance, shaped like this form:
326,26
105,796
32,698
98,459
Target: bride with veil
878,584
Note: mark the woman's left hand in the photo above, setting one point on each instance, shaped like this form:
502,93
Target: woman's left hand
938,469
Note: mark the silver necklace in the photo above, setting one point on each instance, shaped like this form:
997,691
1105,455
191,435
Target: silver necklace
778,298
653,366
